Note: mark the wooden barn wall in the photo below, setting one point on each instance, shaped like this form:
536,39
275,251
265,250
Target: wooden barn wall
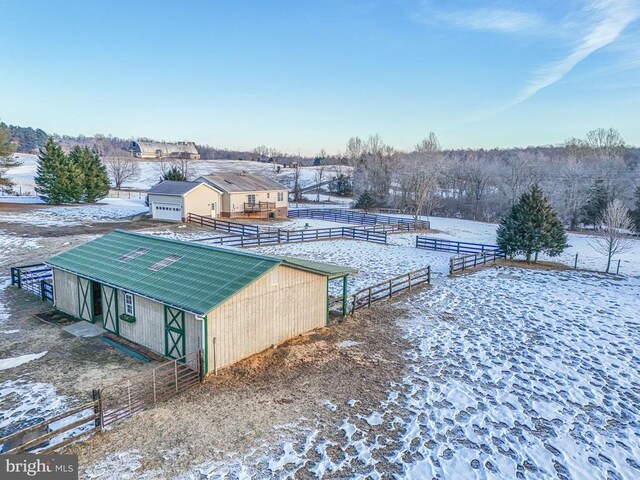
148,329
65,286
264,314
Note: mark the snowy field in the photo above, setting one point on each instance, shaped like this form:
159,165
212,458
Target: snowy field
107,210
149,172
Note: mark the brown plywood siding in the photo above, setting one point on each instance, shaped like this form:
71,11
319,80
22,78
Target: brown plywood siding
266,314
200,199
65,286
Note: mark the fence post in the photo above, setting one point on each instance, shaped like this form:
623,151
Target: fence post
429,274
201,365
575,263
618,269
97,407
390,288
155,398
369,306
451,266
409,275
42,293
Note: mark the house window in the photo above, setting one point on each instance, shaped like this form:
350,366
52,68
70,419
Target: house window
129,306
251,199
281,196
268,194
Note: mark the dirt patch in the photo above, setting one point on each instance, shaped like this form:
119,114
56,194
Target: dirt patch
353,359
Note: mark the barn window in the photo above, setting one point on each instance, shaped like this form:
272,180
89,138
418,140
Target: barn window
275,277
131,255
129,305
165,262
280,196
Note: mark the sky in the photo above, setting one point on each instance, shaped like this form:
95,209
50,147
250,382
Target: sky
303,76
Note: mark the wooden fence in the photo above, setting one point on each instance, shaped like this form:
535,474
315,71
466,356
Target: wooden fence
35,278
444,245
53,433
380,291
110,404
297,236
222,225
358,218
473,260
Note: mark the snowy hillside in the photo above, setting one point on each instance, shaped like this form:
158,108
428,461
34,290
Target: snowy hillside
149,172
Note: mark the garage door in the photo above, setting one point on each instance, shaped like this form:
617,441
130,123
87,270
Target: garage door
167,211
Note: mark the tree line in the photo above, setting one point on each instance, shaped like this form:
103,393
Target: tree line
580,177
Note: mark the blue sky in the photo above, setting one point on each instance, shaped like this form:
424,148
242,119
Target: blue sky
301,76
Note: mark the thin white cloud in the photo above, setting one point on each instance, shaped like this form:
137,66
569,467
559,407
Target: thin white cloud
493,20
612,18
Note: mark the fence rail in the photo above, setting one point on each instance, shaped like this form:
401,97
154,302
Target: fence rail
110,404
375,293
465,262
53,433
35,278
444,245
297,236
359,218
222,225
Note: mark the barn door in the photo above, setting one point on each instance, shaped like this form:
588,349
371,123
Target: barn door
174,341
85,299
110,310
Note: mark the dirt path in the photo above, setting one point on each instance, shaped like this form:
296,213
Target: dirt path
310,377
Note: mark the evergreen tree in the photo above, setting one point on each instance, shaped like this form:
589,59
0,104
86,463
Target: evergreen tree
597,201
94,174
174,173
58,179
532,227
6,160
366,201
342,185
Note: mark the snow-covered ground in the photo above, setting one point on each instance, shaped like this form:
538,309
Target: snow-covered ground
108,210
149,172
514,374
588,258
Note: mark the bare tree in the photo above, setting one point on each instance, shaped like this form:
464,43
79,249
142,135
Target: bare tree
605,143
297,191
121,170
612,234
429,144
420,177
184,166
319,174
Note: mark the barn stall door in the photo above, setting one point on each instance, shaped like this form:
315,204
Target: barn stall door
174,341
85,299
110,310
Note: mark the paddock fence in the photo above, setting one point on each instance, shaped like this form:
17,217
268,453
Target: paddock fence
358,218
381,291
36,278
297,236
444,245
222,225
109,405
465,262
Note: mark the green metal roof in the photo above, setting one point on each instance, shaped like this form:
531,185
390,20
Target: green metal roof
327,269
201,279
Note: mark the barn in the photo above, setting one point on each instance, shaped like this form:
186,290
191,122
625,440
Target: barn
246,195
184,150
176,297
173,200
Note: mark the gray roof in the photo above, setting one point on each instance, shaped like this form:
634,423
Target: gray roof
173,187
241,182
166,149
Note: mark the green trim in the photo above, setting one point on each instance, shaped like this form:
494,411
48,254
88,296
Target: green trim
174,330
127,318
110,310
327,280
344,296
83,302
133,304
206,345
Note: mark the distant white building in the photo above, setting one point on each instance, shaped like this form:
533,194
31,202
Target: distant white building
185,150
